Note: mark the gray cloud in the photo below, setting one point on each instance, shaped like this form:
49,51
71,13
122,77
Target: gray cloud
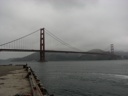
69,4
85,24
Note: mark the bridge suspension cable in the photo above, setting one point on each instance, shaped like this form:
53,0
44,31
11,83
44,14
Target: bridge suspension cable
61,41
19,38
47,32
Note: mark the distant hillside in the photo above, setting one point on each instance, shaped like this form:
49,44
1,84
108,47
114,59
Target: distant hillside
71,56
123,55
65,56
97,50
2,60
49,57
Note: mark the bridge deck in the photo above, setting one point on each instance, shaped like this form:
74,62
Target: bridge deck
53,51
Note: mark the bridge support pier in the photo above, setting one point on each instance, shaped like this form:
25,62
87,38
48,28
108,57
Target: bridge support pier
42,45
113,56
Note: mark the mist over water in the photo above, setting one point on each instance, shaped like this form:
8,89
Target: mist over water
83,78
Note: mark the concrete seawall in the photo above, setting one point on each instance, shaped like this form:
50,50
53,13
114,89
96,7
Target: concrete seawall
13,81
20,81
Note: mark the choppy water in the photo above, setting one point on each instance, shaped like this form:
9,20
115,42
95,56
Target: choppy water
84,78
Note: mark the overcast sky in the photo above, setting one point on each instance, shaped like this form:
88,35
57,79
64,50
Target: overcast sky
85,24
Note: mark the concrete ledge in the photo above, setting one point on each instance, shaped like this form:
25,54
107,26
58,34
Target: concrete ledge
13,81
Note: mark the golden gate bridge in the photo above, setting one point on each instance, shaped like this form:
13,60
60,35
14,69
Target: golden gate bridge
13,46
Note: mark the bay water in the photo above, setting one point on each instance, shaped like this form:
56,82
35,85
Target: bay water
82,78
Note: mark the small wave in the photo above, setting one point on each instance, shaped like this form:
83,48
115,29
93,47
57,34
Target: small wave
112,75
121,76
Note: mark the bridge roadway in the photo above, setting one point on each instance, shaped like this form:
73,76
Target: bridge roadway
53,51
